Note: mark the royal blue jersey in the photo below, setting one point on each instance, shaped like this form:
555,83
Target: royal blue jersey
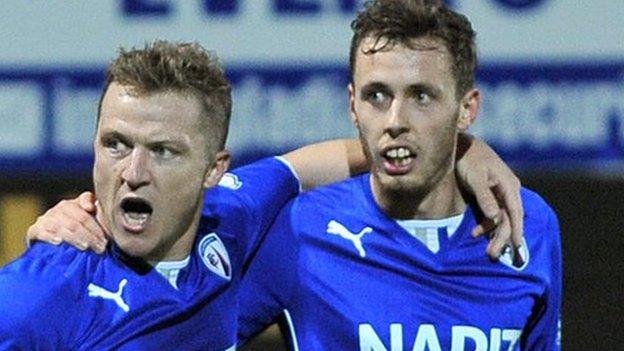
348,277
59,298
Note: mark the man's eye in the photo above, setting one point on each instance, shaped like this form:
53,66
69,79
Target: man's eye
115,146
377,98
423,98
163,152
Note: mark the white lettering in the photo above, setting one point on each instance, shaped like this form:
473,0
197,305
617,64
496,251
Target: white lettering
463,337
547,114
495,339
280,110
512,336
541,115
426,339
370,341
462,332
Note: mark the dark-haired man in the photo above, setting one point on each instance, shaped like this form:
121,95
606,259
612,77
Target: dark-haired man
385,260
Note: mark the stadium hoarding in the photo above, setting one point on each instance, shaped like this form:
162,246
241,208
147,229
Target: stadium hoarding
551,73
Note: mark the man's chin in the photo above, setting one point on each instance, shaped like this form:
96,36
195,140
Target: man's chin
404,183
133,245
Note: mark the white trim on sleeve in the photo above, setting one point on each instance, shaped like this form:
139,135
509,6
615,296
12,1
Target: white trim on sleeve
292,170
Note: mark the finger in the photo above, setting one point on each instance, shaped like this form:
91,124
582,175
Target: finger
517,232
70,213
100,221
53,239
72,239
70,230
94,228
488,204
508,193
482,228
37,232
478,230
90,223
86,201
500,238
515,210
54,233
486,198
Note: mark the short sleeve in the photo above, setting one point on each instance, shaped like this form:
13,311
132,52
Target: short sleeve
248,199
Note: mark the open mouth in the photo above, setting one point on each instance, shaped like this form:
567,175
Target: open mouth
136,214
398,160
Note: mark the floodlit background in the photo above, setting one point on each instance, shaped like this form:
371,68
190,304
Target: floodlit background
551,73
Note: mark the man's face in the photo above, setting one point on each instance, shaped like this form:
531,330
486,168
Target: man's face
404,104
152,161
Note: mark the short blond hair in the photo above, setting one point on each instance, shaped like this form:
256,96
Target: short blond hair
187,68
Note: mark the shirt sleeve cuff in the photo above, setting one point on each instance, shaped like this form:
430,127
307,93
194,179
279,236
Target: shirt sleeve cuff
292,170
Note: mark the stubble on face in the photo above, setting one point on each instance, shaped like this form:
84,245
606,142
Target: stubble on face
414,108
150,149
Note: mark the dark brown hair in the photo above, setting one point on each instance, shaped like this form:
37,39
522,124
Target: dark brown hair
182,67
390,22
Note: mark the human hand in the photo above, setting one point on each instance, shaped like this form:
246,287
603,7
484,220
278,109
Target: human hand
71,221
497,191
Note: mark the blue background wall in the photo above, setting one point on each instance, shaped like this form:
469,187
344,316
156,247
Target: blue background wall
552,74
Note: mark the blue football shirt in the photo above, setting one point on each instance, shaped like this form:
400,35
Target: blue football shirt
57,298
348,277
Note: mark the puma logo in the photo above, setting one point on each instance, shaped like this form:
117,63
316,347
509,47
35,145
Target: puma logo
98,291
336,228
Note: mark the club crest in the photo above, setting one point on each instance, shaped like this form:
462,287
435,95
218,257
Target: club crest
508,258
215,256
230,181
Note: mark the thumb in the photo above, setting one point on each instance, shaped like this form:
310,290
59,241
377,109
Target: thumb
86,201
98,217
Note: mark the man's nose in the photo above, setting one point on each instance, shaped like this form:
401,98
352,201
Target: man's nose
397,121
136,172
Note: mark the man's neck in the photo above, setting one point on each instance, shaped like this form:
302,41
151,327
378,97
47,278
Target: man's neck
441,200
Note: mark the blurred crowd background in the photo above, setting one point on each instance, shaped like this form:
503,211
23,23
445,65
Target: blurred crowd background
551,75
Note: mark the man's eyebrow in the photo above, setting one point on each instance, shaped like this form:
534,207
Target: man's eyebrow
430,89
177,142
113,134
374,86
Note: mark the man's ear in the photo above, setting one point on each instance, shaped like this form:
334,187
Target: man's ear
352,113
217,170
468,109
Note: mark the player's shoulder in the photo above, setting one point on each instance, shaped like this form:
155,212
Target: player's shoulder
41,280
264,173
535,206
46,262
237,189
310,211
541,225
346,193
